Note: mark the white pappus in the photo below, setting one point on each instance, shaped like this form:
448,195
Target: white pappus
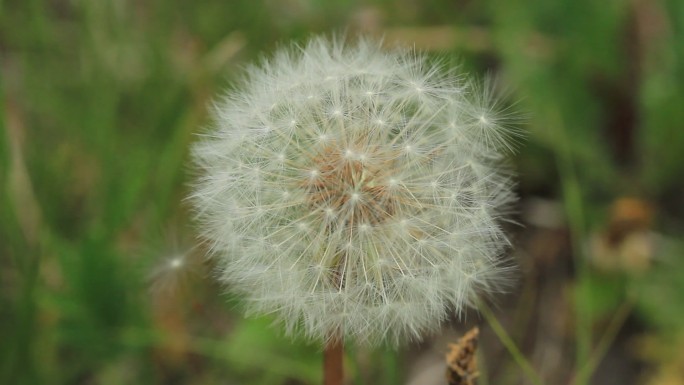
356,192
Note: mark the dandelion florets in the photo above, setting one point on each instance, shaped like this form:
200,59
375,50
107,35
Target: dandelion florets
346,189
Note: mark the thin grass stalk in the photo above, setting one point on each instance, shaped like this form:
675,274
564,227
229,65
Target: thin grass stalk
572,201
509,344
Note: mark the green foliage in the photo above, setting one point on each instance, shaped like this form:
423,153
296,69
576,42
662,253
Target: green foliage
100,100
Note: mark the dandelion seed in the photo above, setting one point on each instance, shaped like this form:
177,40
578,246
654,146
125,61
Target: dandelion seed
380,216
175,263
172,273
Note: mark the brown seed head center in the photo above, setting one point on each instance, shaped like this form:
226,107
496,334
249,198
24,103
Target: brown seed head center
352,184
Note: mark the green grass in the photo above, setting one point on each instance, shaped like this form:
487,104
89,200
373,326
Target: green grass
100,101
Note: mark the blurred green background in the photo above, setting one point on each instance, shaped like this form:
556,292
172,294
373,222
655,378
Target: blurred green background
101,281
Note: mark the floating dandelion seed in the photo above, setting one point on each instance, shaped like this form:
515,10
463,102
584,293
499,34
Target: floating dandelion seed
172,273
355,193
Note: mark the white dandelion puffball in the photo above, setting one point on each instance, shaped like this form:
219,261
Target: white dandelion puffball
353,192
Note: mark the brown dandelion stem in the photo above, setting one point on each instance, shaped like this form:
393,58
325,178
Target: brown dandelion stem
332,362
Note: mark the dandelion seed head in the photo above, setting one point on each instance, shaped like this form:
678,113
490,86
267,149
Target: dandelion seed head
380,216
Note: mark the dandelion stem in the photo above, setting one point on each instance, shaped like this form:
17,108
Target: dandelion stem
332,362
509,344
